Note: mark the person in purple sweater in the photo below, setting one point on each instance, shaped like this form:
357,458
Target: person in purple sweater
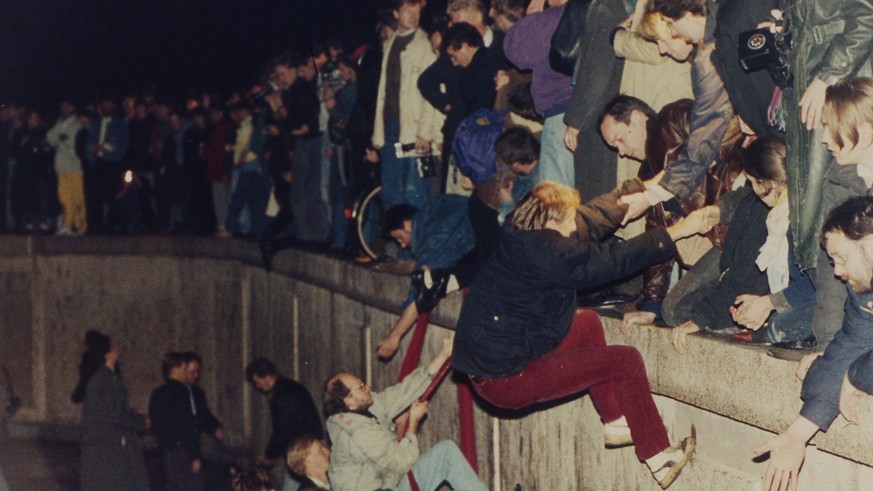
527,46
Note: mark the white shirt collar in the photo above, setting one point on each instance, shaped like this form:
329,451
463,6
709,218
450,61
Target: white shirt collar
488,37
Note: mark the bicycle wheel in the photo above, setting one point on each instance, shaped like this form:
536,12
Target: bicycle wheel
368,222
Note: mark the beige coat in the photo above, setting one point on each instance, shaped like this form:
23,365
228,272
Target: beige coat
417,117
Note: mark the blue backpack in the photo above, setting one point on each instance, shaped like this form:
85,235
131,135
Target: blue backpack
473,146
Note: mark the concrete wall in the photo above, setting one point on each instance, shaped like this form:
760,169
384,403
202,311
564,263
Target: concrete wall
315,316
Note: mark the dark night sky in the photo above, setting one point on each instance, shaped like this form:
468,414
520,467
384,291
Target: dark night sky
82,48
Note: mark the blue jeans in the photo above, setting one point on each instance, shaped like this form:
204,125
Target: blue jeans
401,182
311,220
556,161
795,324
444,462
252,191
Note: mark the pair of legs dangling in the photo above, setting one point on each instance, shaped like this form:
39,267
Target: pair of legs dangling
614,376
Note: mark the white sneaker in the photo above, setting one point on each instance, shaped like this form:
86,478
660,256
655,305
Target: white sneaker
674,460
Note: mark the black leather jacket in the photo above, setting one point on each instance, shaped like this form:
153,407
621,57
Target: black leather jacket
843,28
832,40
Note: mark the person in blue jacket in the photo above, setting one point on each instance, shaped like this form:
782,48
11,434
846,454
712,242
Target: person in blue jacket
438,236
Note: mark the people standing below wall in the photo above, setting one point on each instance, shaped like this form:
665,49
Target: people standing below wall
71,190
112,458
250,480
292,412
310,459
96,347
179,414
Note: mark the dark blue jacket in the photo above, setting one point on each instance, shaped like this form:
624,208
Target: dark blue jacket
521,303
850,348
441,232
116,137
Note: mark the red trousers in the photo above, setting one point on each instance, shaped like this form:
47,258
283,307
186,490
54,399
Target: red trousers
615,376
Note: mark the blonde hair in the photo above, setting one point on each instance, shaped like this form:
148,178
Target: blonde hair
297,453
547,201
653,27
848,106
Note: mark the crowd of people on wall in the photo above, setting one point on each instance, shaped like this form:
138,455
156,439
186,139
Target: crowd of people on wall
738,204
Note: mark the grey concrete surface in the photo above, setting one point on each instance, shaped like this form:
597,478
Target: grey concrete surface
315,315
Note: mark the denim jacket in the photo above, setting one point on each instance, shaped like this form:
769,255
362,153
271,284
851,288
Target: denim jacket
441,232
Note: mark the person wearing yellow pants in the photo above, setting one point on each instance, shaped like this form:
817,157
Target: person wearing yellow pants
71,191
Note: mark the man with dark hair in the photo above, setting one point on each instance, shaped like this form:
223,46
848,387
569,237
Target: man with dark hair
693,21
464,45
279,144
292,412
517,153
457,37
179,414
623,126
366,453
439,235
847,236
311,217
473,12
